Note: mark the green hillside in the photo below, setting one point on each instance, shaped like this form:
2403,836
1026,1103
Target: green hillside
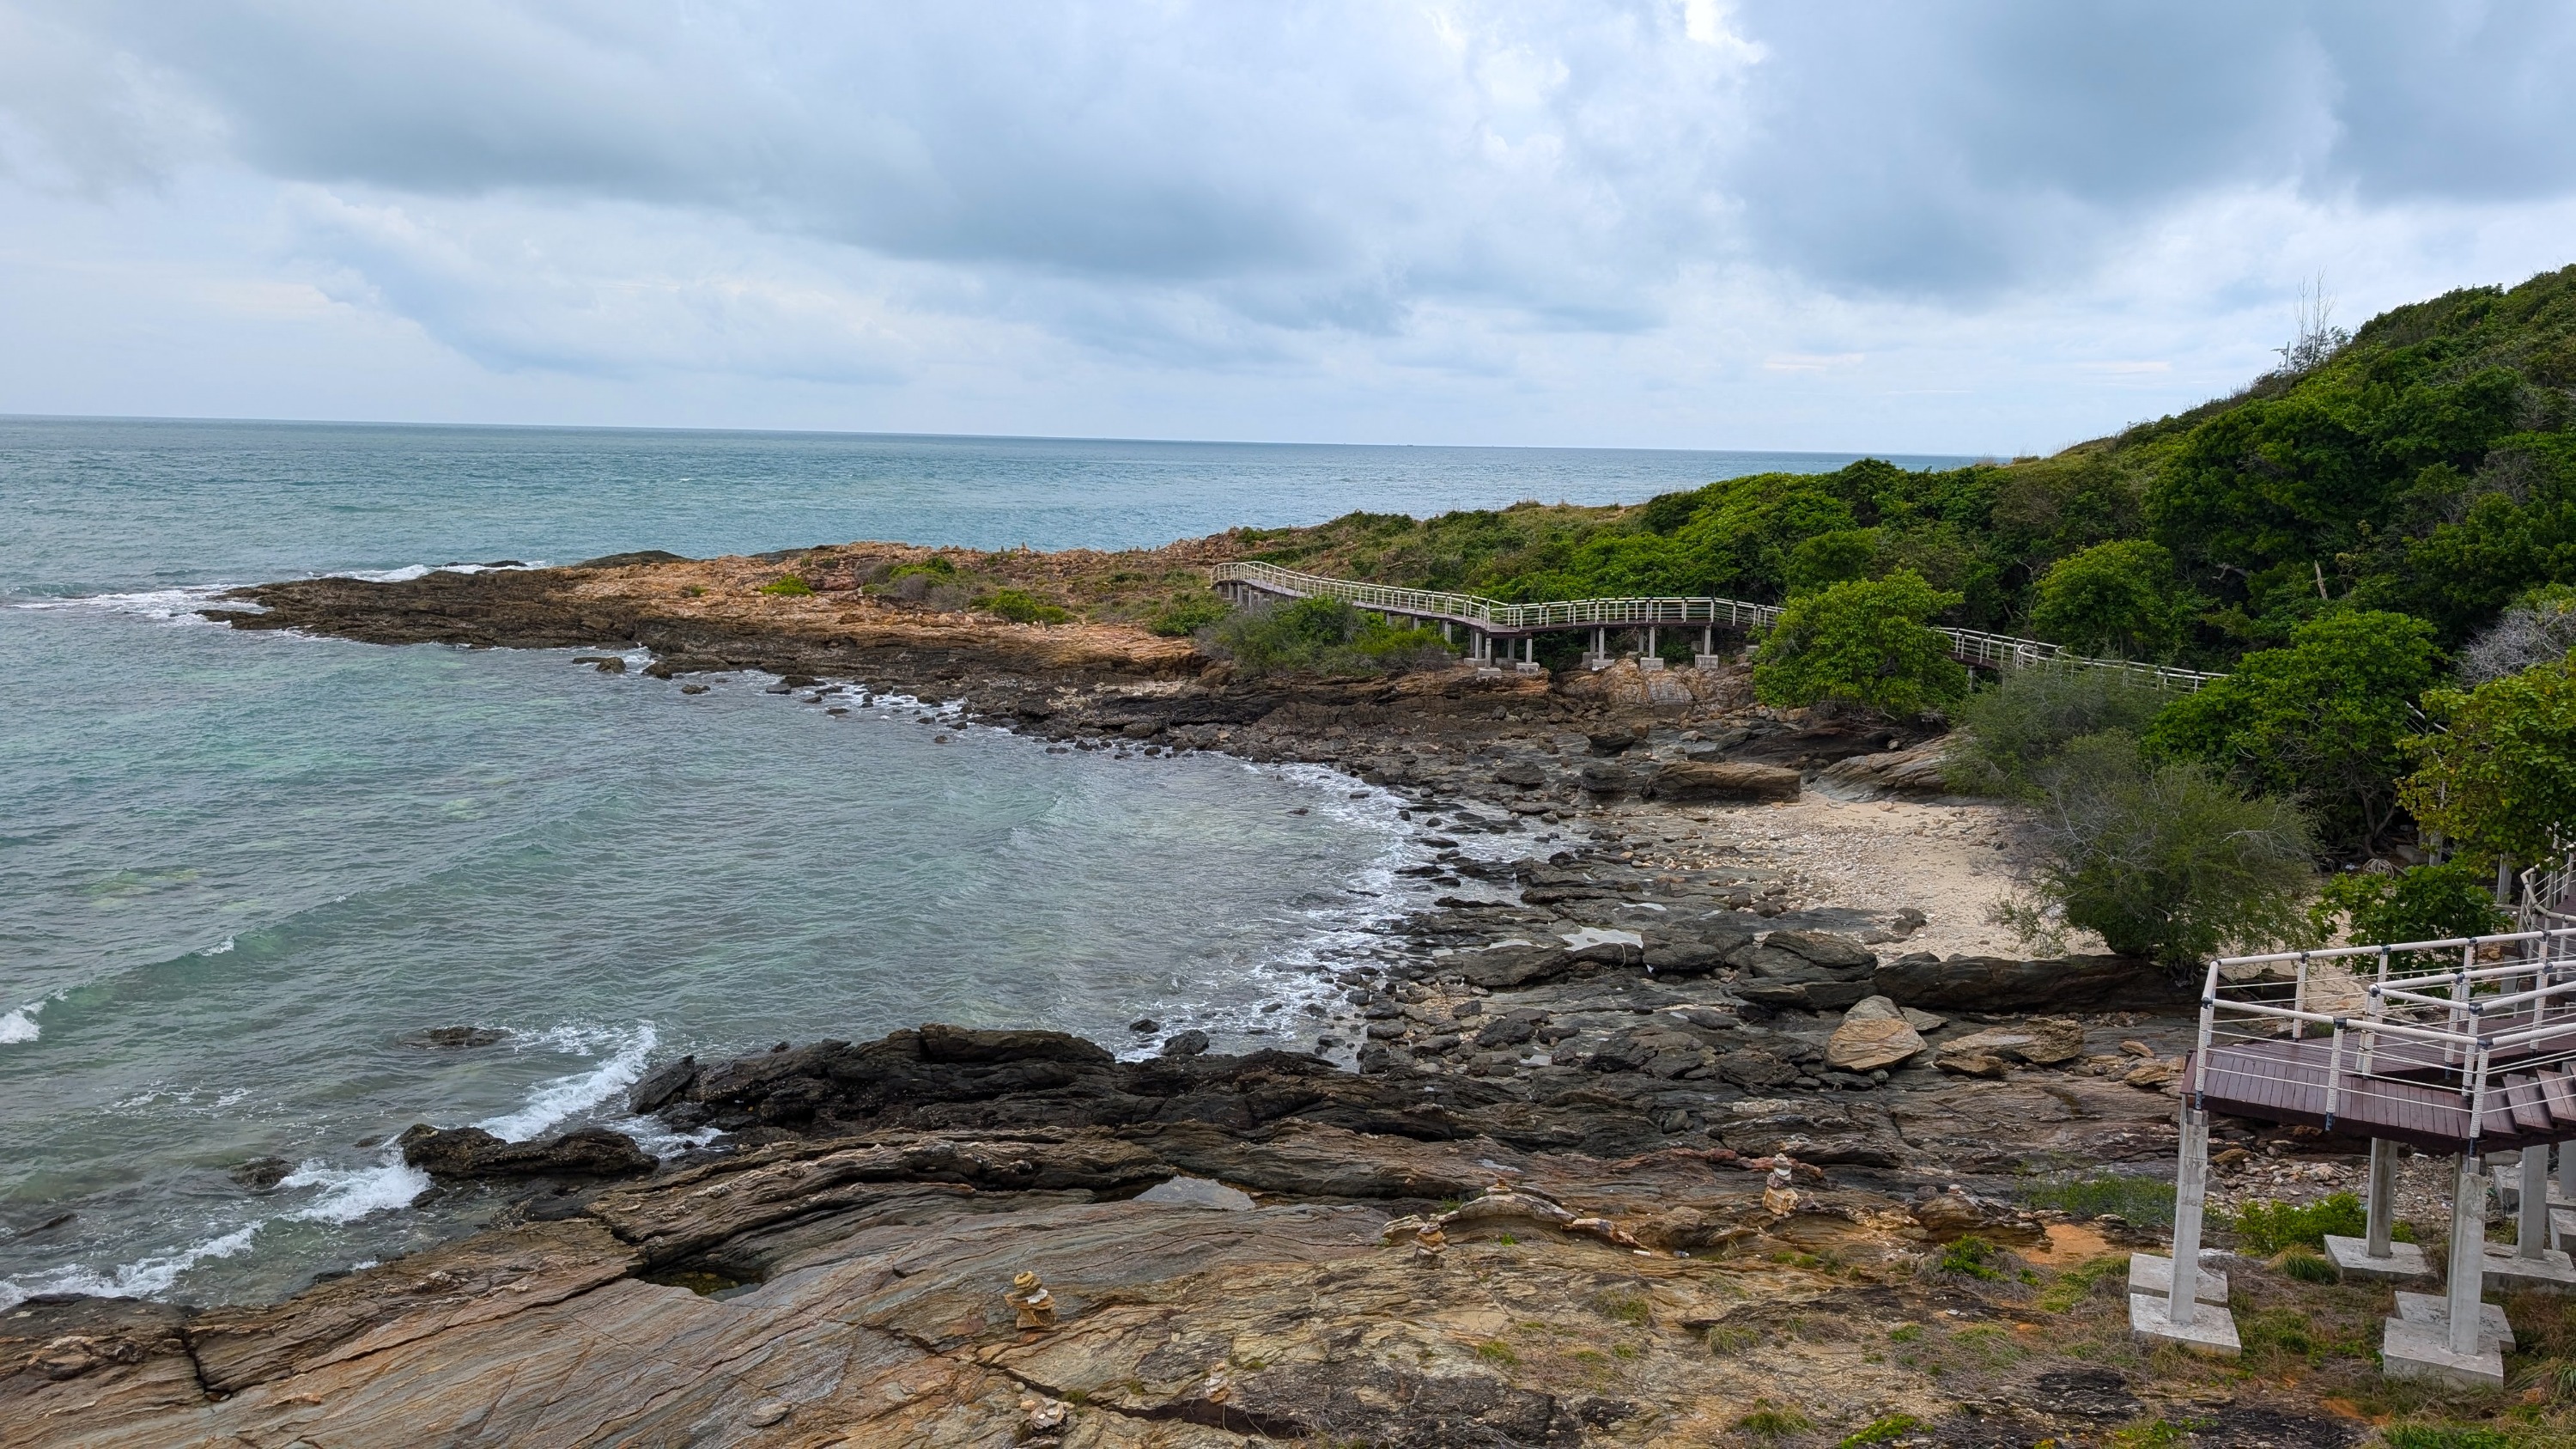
2425,467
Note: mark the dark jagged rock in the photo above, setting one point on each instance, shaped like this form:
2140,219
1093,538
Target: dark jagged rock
1711,780
657,1087
1808,970
461,1153
2004,984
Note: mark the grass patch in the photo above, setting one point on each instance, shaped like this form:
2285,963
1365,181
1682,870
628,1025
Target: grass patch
788,586
2076,1284
2274,1227
1022,608
1880,1430
2138,1199
2310,1268
2443,1436
1494,1350
1768,1422
1622,1308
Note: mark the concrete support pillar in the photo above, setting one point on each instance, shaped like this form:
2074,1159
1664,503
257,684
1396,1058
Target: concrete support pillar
2567,1172
1445,636
2191,1192
1708,641
1600,643
2468,1257
2383,1195
2531,1221
1651,650
1529,648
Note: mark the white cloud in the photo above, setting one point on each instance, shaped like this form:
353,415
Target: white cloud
1967,226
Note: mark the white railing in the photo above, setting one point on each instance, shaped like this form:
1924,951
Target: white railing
2544,889
2431,1014
2000,651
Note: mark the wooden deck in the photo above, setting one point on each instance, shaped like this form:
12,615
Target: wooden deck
2408,1097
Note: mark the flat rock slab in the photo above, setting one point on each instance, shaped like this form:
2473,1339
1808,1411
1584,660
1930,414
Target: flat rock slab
2351,1257
2411,1351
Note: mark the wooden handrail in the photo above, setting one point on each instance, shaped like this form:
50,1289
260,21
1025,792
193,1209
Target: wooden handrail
1999,651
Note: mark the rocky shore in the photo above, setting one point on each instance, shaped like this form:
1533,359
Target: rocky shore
1644,1128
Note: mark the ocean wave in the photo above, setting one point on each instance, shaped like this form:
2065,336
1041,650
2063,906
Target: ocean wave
350,1193
169,606
20,1025
561,1097
141,1278
409,572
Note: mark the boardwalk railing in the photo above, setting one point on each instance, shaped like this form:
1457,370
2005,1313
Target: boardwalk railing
1493,616
2466,1044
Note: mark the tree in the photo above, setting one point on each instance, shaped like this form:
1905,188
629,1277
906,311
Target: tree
2006,733
2321,719
2113,599
1861,643
2419,903
2497,774
2165,860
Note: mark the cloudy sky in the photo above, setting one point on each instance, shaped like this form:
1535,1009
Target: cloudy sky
1952,227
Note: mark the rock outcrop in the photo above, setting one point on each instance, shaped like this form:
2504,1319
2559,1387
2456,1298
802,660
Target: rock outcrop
465,1153
2002,984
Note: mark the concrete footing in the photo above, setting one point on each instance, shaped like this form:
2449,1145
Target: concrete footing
2506,1267
2411,1351
1528,667
1708,661
1649,663
2149,1273
2404,1263
2212,1329
2562,1228
2433,1311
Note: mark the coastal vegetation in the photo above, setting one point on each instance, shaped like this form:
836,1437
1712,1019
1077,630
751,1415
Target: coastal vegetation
1319,636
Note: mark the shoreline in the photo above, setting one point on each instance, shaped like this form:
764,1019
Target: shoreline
1589,1062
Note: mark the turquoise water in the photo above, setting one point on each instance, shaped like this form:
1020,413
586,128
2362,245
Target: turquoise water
240,872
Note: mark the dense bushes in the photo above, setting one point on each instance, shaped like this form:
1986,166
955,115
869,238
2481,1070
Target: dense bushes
1021,607
2114,599
2163,859
2498,773
2003,733
2420,903
1861,643
1321,636
1181,617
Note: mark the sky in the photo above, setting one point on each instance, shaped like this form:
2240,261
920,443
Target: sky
1932,227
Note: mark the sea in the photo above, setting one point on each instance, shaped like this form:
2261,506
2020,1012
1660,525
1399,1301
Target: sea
248,879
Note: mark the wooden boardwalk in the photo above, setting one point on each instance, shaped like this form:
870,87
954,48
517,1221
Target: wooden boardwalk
1499,619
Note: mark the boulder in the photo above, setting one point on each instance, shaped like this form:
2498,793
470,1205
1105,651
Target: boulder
1722,780
1890,772
940,1043
1604,778
1873,1035
2045,1042
2005,984
1521,773
1807,970
661,1086
1499,968
1190,1043
470,1152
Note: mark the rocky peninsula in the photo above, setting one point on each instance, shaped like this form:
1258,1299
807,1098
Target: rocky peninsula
1681,1122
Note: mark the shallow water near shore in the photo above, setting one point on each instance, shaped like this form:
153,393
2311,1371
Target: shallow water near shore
241,874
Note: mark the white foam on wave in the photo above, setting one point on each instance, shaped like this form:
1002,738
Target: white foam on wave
350,1193
141,1278
169,606
554,1100
20,1025
409,572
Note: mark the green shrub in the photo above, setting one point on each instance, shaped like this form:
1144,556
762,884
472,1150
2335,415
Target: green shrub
1972,1257
1861,643
2166,861
2114,599
2323,719
2419,903
1022,608
1324,636
2004,732
2265,1228
1180,618
2497,774
937,566
788,586
1497,1351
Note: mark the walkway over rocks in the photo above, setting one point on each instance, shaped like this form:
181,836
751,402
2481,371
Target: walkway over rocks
1489,619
